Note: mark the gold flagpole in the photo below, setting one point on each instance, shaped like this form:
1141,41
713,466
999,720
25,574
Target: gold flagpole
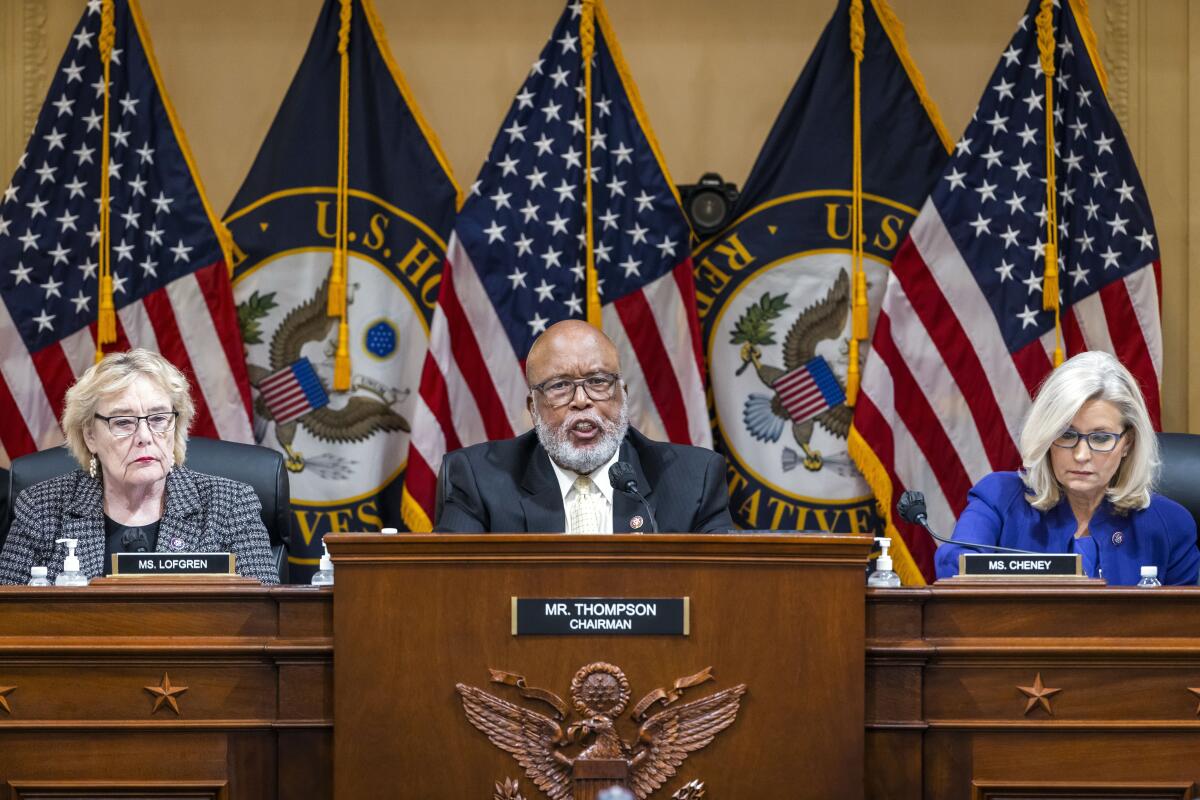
587,37
336,306
1045,35
858,303
106,316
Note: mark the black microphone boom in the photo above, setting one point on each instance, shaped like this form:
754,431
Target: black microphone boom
624,479
911,508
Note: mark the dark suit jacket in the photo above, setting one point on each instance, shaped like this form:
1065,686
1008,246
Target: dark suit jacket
202,514
509,486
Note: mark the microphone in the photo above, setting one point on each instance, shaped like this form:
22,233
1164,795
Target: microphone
623,479
135,541
911,508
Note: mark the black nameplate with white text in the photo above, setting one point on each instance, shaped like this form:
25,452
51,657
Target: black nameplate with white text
1012,565
173,564
605,616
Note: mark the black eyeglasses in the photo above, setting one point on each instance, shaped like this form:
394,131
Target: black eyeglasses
560,391
1097,441
123,426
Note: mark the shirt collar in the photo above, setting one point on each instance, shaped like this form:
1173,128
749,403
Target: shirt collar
599,476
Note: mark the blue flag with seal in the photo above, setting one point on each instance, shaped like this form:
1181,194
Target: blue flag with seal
340,234
786,293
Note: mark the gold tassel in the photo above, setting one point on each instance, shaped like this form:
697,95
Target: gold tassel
587,39
341,362
853,377
1050,278
106,319
860,314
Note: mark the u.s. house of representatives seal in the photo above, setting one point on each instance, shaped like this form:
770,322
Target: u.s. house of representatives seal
345,451
774,298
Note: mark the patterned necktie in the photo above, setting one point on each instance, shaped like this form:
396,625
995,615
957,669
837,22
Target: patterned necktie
586,507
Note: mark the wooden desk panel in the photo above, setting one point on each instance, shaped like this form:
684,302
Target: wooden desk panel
417,614
255,721
947,717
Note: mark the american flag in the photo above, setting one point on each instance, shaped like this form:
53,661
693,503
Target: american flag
962,341
517,260
293,391
170,282
809,390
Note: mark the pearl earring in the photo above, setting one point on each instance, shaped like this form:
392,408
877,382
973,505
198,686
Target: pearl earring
92,466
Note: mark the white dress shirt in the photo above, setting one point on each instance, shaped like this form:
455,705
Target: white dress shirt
599,476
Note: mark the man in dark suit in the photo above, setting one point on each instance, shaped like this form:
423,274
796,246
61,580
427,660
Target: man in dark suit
555,477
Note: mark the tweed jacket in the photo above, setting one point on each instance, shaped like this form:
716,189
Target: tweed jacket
202,513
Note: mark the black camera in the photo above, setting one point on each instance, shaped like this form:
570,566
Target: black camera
709,203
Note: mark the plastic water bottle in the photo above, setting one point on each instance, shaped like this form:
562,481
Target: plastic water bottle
324,575
70,575
1149,578
38,577
883,577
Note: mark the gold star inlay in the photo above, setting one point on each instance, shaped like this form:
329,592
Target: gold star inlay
165,693
5,691
1038,694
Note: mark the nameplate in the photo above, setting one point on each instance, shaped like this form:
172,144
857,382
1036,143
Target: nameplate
603,616
1012,565
136,564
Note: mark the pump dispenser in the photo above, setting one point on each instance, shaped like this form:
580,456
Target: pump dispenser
883,577
70,575
324,575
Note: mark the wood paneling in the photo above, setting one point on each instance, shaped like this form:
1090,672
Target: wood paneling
1124,723
255,721
417,614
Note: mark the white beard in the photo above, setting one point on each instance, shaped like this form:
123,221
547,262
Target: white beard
582,460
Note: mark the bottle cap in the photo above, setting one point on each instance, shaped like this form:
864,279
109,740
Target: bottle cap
1150,571
37,572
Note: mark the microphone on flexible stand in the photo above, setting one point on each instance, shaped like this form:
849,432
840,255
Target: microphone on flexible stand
623,479
911,508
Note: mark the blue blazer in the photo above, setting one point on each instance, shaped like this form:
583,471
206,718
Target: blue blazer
998,512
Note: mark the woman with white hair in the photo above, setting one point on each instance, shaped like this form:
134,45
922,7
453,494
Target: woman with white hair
1090,458
126,420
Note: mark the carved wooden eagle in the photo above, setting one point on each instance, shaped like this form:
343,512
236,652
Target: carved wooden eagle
663,742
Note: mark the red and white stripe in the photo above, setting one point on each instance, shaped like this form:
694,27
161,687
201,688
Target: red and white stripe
800,395
284,396
473,384
942,400
191,321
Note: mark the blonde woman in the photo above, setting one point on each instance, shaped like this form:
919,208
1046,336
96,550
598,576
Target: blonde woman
1089,462
126,421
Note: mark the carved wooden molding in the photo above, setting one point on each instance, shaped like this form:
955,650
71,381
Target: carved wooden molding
1197,693
1115,54
33,19
5,691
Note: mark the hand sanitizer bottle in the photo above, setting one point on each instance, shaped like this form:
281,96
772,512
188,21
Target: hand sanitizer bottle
1149,578
324,575
70,575
883,577
38,577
